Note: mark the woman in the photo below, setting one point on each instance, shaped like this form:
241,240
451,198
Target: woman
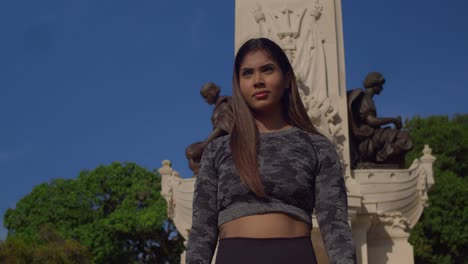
257,187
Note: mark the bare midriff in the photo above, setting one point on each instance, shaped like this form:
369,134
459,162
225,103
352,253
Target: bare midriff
270,225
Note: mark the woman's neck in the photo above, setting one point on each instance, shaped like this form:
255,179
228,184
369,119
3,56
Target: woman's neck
270,121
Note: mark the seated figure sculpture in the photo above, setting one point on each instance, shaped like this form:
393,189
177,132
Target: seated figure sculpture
372,145
221,119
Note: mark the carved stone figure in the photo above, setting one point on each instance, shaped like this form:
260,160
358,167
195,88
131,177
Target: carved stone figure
298,30
310,66
374,146
222,117
280,25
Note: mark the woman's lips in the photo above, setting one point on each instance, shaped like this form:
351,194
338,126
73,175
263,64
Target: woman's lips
261,95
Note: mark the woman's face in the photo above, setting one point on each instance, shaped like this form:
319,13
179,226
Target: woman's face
261,81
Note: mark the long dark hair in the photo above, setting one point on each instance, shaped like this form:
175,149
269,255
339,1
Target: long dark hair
244,135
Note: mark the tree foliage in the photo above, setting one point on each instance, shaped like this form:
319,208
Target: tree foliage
52,248
116,211
441,235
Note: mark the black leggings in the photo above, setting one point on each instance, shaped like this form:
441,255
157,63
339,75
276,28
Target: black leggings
297,250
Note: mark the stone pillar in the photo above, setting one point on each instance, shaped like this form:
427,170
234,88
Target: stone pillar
388,239
360,226
310,32
178,193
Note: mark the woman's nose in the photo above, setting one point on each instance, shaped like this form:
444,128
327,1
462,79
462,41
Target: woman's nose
259,82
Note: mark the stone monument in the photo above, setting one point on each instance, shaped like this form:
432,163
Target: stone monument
310,32
384,203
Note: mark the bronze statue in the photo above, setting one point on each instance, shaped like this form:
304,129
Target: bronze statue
221,119
374,146
193,154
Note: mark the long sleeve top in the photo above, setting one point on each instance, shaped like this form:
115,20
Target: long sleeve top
300,172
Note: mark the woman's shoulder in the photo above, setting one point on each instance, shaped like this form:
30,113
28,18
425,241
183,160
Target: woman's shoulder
315,137
217,144
318,141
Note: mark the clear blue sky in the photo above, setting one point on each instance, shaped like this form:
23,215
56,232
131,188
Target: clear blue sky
88,82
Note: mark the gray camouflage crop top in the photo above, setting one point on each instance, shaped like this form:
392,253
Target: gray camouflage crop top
300,171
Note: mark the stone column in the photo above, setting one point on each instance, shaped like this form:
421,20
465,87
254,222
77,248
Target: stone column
310,32
388,239
178,193
360,226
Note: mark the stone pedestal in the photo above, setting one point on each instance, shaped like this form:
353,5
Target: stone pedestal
178,193
395,250
388,240
390,204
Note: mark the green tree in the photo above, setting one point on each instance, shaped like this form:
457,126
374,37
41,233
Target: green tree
116,211
441,235
52,248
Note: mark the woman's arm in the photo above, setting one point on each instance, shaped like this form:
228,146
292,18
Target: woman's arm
203,236
331,205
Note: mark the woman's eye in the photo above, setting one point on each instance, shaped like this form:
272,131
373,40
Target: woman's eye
268,69
246,73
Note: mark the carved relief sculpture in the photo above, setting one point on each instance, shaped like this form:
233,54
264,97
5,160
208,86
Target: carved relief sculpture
311,67
298,33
